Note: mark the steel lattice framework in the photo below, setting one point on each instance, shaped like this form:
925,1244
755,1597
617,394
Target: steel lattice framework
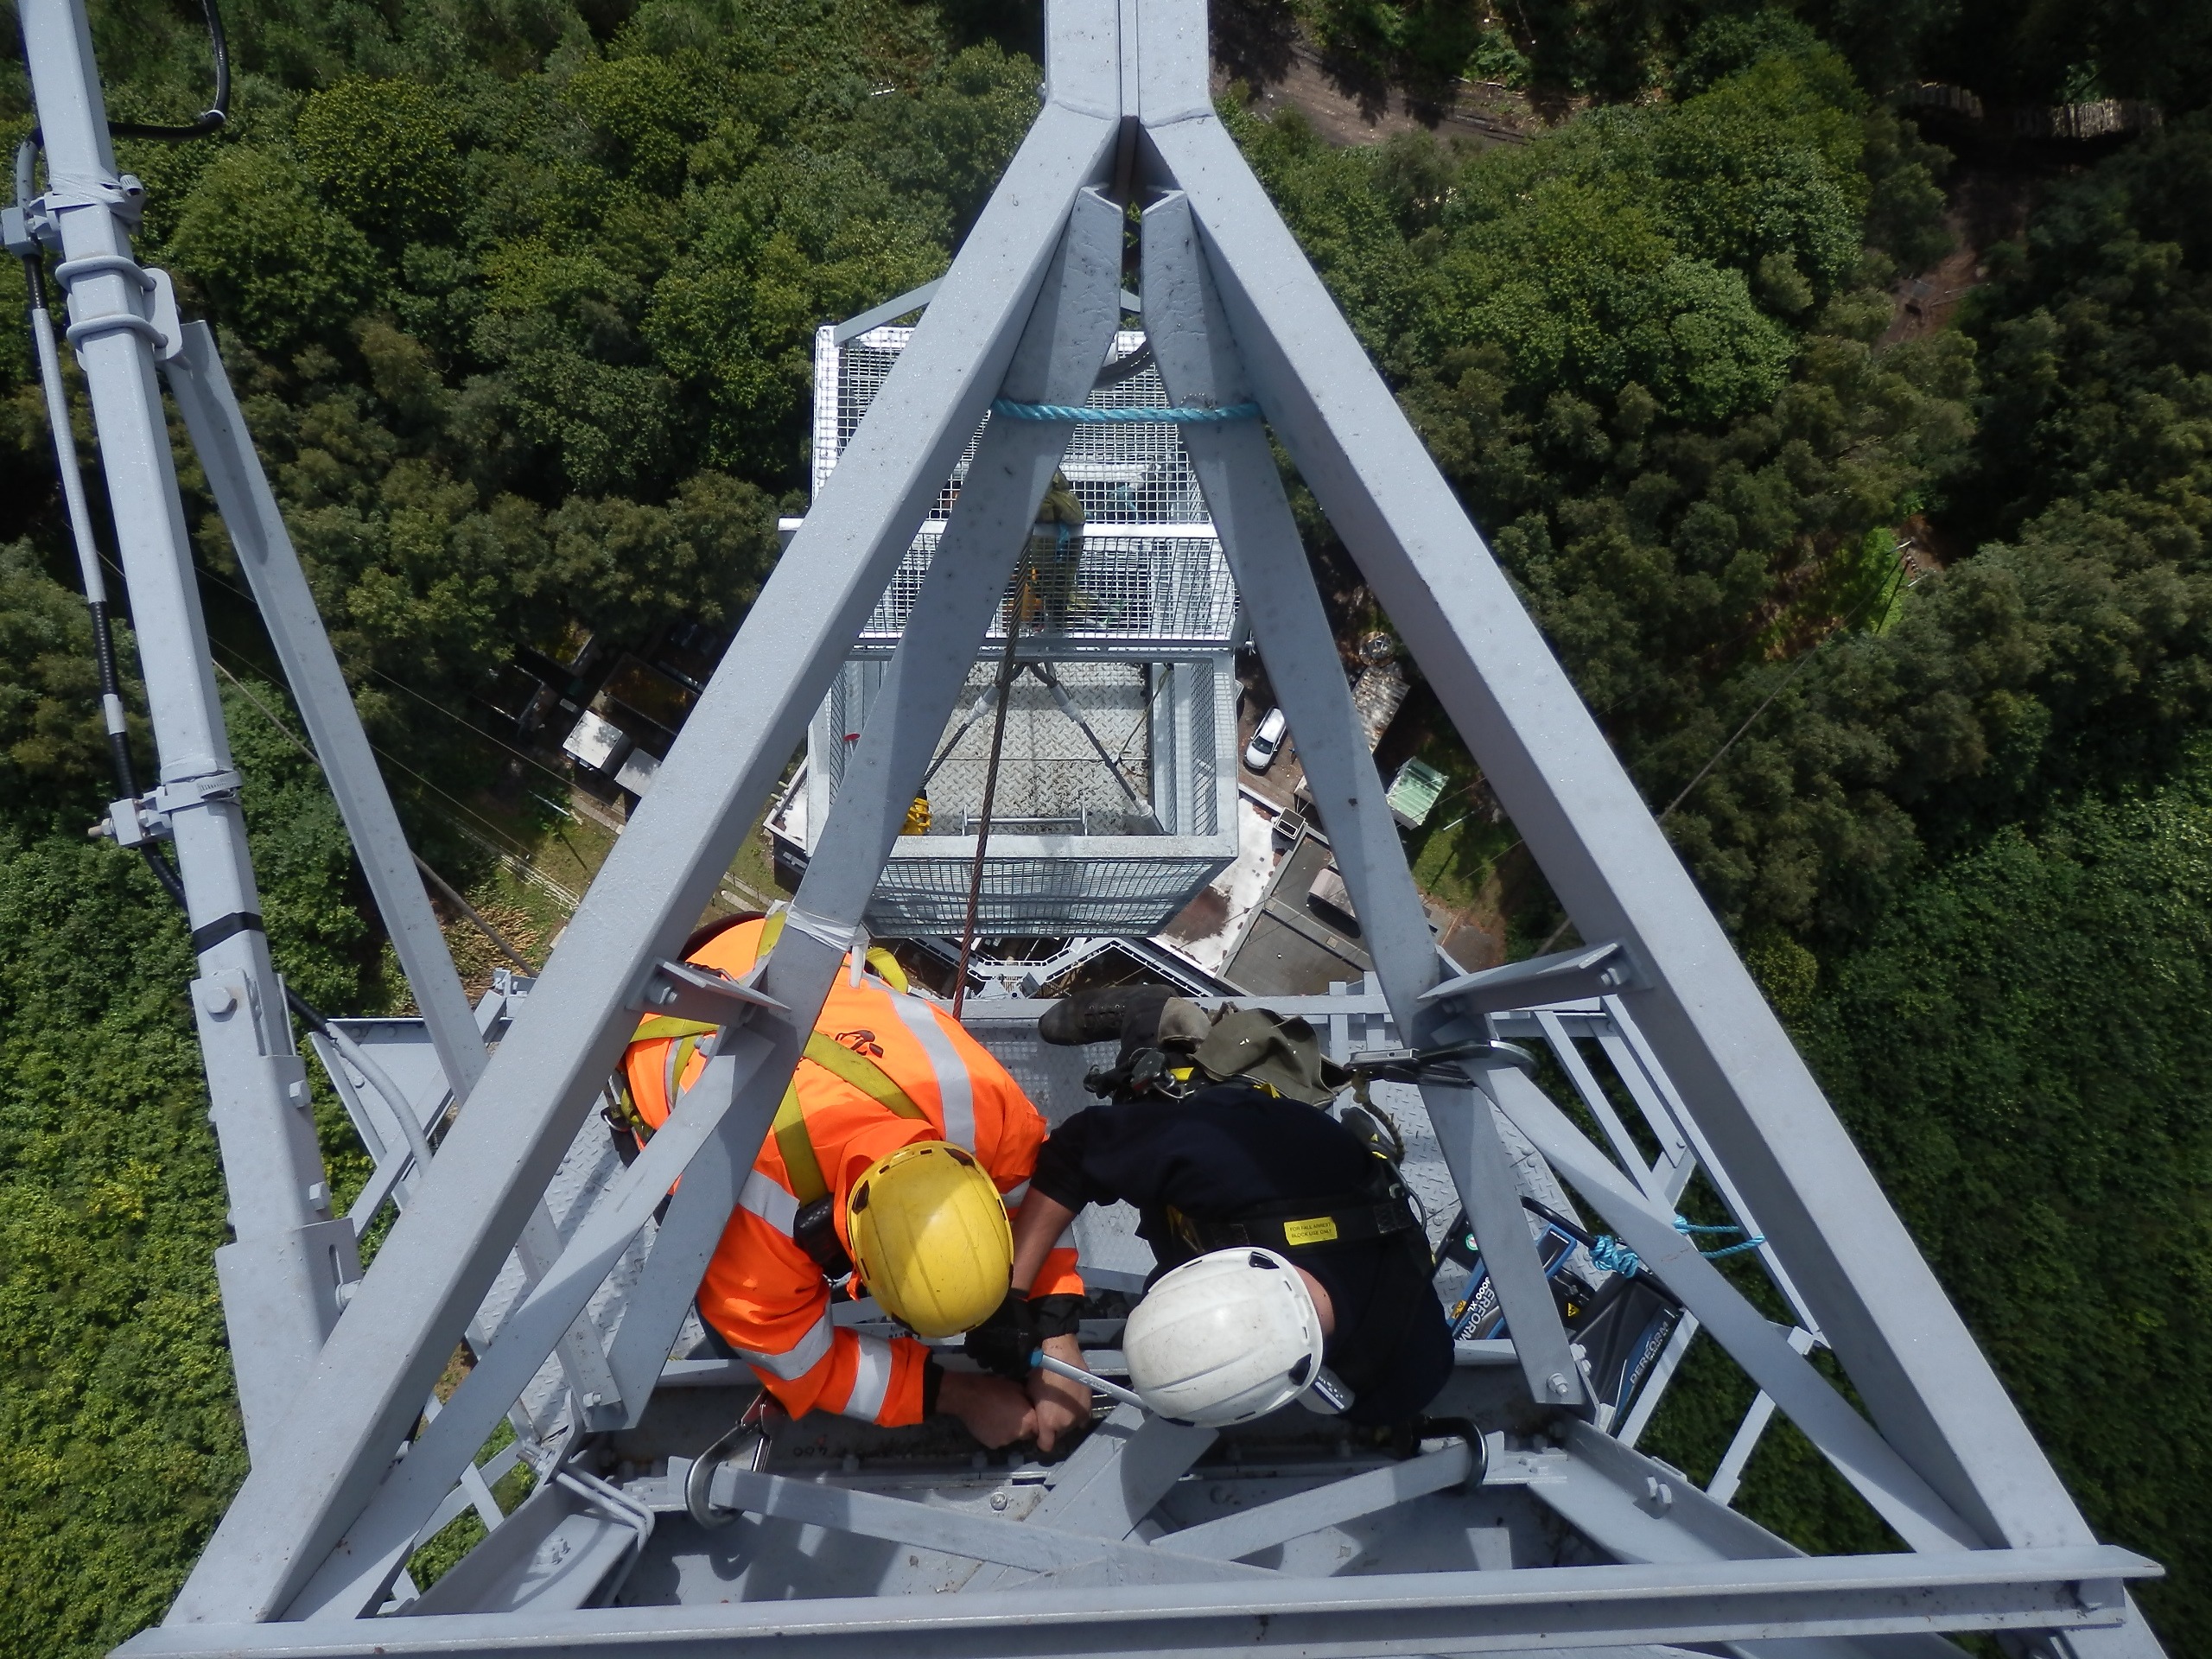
1536,1525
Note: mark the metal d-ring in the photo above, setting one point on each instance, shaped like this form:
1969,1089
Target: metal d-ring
700,1477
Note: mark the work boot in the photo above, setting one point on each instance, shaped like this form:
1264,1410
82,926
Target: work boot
1109,1015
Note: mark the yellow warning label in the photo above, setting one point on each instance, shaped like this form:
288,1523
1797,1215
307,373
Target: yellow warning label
1319,1229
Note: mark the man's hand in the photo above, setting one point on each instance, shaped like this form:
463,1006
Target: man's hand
1003,1344
1063,1405
996,1412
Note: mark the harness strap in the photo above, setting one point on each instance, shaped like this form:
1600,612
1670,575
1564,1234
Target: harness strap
800,1163
792,1141
1359,1224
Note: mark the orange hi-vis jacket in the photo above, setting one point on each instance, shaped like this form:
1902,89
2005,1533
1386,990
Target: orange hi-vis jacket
763,1292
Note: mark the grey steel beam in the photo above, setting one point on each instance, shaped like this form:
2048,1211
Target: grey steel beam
1877,1303
1593,1094
1123,1468
280,1275
1729,1475
1068,334
954,1532
1646,1065
255,526
360,1566
1232,1537
1860,1454
1636,1510
1385,1615
434,1269
1199,364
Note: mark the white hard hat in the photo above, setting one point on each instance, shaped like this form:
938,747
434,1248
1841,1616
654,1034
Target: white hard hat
1231,1336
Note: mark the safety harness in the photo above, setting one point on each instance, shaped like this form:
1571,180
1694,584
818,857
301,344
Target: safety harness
1383,1213
1351,1223
813,1229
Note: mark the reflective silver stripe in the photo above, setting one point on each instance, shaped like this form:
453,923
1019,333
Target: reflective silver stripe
1015,1194
768,1201
953,1086
801,1359
871,1382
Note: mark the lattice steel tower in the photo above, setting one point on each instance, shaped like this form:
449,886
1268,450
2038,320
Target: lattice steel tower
1526,1521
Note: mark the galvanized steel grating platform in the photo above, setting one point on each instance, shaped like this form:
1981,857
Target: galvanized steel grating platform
1070,854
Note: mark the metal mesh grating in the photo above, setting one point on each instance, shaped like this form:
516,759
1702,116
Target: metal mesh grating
1122,474
1039,893
1050,780
1147,568
1070,853
1161,584
1206,758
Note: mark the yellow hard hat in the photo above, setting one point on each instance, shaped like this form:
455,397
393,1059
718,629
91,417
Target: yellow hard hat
930,1239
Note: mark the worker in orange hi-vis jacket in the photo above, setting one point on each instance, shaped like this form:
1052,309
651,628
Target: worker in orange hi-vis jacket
898,1149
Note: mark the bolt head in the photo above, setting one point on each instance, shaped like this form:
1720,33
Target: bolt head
1557,1385
216,997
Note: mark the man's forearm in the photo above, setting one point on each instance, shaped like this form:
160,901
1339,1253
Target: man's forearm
1036,1230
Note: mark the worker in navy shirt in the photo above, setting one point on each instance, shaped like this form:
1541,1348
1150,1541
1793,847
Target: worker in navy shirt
1215,1134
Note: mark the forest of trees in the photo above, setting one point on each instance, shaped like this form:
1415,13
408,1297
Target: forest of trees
520,299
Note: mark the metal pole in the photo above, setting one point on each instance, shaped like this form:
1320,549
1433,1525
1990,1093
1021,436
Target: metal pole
272,569
281,1275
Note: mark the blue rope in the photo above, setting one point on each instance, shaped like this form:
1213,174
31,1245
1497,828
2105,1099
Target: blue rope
1613,1257
1750,1243
1610,1256
1090,414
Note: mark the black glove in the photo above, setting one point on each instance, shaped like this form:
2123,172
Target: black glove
1003,1344
1057,1316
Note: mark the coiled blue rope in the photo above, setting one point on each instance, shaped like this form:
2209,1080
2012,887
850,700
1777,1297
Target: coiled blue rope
1091,415
1610,1256
1613,1257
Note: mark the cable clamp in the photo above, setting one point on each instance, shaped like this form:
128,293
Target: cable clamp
196,792
163,330
124,195
134,822
24,229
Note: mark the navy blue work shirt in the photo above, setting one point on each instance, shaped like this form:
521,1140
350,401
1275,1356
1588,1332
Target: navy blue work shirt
1231,1150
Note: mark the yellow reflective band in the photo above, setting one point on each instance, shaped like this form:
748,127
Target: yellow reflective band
1318,1230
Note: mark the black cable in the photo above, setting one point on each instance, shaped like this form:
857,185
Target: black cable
109,674
209,121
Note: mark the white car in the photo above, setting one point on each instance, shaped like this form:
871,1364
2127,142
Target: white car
1266,740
